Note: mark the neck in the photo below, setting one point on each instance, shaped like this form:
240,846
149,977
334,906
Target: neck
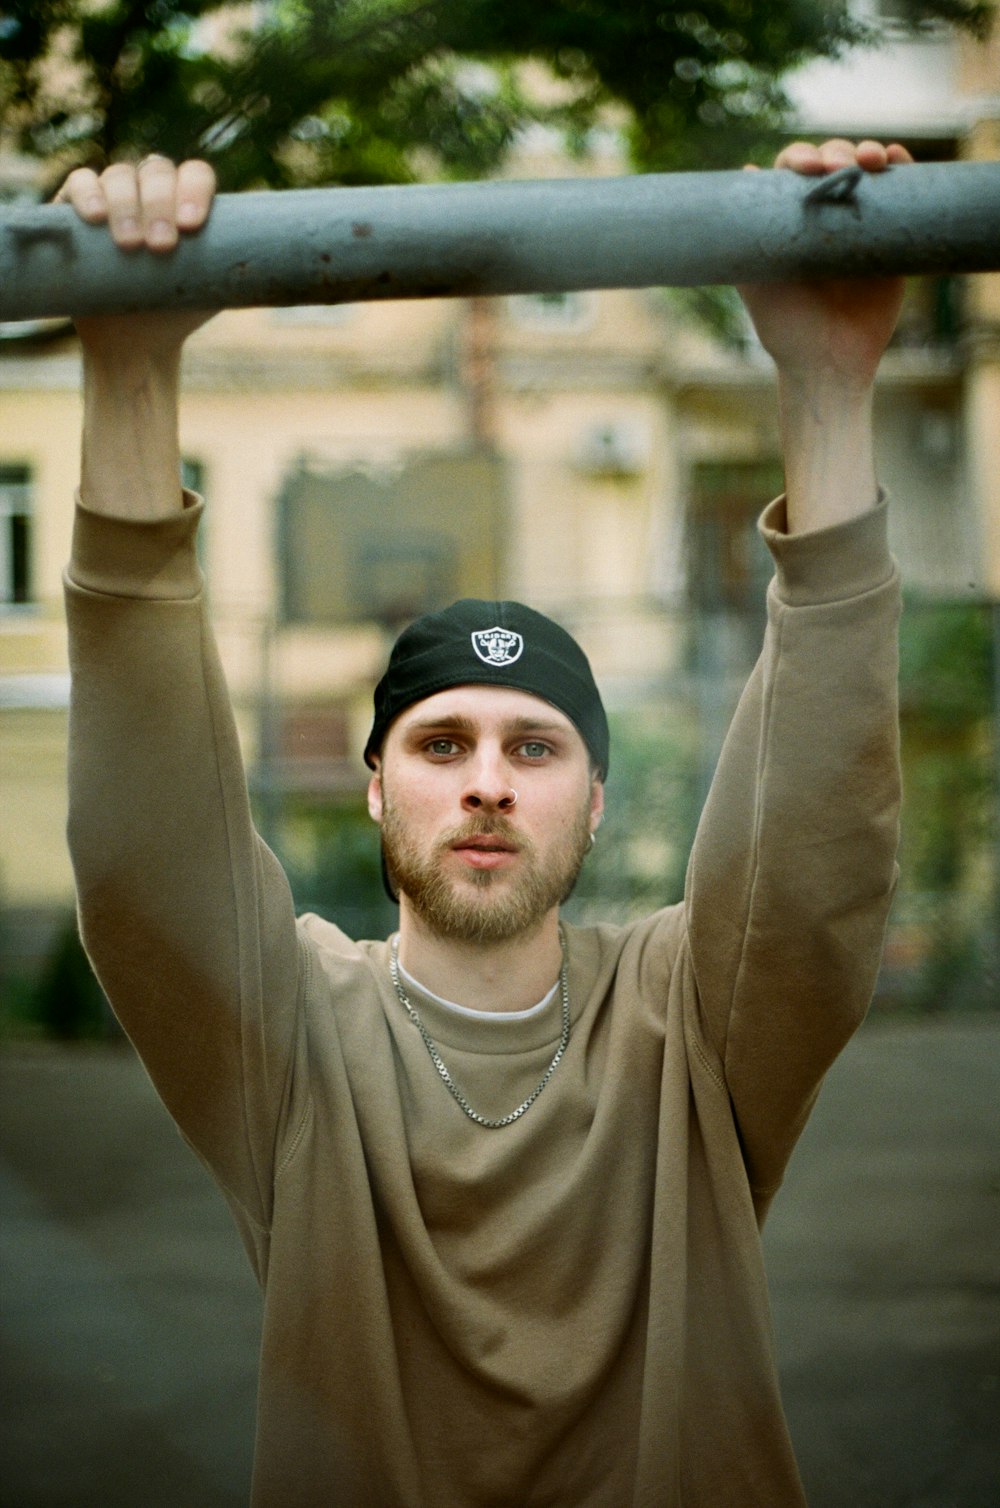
506,976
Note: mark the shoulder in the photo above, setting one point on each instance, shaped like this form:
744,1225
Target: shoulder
638,956
335,955
326,937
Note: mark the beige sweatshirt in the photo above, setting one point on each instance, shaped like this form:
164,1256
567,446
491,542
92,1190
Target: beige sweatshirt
572,1310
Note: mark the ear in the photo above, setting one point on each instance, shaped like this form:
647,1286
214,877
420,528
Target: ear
375,796
596,804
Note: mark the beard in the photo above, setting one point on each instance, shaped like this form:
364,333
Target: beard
484,905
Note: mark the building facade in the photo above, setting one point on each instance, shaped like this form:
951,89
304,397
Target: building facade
596,454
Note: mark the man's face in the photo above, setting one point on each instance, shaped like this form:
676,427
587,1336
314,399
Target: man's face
486,801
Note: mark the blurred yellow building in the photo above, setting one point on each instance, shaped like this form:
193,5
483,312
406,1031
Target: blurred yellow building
595,454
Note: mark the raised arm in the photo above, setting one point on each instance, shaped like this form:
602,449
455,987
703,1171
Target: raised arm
794,863
184,912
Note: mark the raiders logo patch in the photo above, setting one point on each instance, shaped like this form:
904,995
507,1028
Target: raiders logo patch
497,646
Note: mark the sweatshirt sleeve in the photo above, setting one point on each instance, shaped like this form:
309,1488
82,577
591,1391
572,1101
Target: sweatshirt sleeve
184,912
793,867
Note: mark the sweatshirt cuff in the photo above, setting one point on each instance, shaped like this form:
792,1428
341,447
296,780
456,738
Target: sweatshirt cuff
121,557
832,564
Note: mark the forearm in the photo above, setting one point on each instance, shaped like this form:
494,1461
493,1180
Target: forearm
131,452
828,448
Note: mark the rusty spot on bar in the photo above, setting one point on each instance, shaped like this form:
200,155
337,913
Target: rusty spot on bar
361,229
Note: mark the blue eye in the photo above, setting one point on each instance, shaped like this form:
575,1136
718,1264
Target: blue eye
534,749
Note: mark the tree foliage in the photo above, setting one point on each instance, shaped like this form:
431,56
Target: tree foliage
352,91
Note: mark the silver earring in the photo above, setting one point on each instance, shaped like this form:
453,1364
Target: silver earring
593,840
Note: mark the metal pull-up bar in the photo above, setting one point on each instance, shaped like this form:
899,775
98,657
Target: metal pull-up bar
311,246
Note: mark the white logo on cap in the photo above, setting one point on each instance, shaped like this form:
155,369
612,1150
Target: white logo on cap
497,646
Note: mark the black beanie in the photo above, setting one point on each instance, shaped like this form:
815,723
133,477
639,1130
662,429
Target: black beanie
475,643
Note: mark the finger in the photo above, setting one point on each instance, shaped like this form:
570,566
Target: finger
195,193
838,153
872,156
157,180
82,189
120,186
801,157
875,155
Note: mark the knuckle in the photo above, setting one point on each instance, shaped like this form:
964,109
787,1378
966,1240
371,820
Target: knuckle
78,187
119,186
197,174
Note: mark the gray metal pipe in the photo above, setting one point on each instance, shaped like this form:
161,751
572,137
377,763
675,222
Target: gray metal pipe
443,240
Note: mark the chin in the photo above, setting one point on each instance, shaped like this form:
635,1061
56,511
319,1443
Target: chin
480,910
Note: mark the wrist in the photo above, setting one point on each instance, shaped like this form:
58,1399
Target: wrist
124,369
131,448
825,390
829,453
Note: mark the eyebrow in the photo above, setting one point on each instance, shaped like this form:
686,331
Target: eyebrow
459,723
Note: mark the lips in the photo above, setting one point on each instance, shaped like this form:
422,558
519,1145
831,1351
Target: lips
486,845
484,850
483,831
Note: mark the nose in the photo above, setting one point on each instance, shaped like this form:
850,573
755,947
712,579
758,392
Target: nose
489,787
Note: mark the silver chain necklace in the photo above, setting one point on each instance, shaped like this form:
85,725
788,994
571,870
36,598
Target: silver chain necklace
438,1061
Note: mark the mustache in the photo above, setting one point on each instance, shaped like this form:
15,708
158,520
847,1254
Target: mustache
483,825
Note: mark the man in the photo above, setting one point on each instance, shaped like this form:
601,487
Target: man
500,1179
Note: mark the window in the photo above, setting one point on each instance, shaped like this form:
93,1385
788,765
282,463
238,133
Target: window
728,566
15,535
355,545
314,735
931,316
